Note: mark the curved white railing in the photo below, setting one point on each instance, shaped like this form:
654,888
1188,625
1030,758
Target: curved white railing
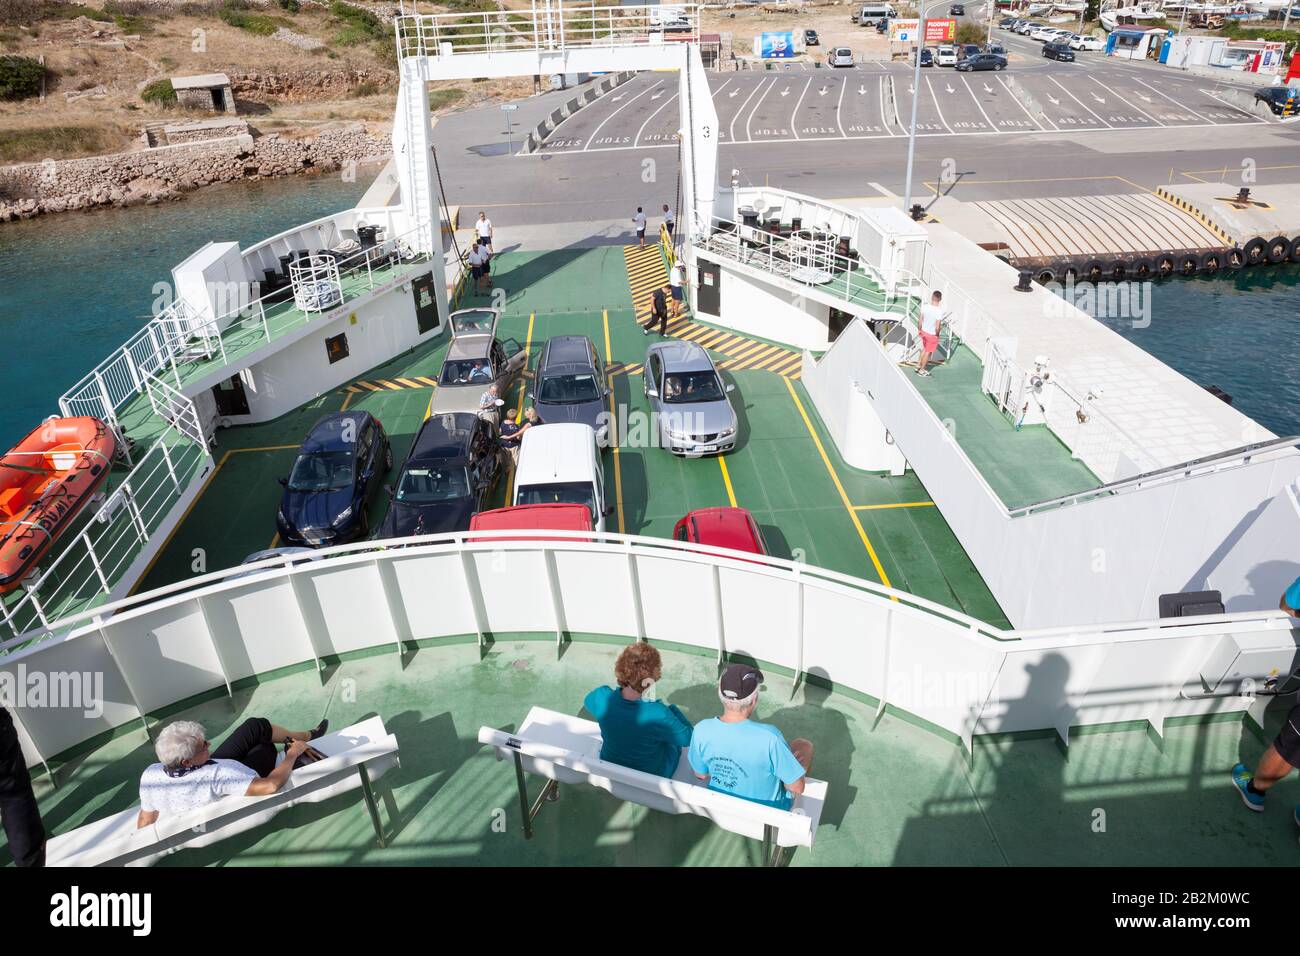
944,667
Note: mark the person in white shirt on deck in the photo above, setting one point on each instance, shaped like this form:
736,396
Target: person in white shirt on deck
668,220
638,221
677,283
931,323
190,774
476,259
483,228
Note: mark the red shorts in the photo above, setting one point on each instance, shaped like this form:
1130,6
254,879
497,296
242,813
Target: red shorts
929,343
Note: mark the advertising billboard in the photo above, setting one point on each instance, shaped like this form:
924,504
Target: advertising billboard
940,31
903,31
775,45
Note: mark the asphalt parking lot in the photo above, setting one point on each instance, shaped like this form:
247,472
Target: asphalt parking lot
874,101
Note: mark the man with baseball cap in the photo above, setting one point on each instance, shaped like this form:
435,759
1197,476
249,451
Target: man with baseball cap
745,758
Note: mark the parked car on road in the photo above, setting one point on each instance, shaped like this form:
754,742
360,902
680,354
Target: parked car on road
1041,33
945,56
1026,27
1058,51
1081,42
957,10
927,57
1275,96
840,56
810,38
339,468
997,48
1007,23
982,61
968,49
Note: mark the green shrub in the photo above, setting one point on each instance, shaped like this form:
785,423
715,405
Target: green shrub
444,97
20,77
1238,31
363,21
291,5
160,92
235,14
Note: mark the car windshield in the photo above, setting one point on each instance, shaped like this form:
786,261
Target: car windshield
568,389
422,486
687,387
321,471
466,372
560,493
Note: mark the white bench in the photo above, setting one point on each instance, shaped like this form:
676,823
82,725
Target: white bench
354,757
566,749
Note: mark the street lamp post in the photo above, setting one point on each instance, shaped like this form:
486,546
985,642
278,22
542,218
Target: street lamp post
509,108
916,97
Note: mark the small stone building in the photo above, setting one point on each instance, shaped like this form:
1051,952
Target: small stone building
210,92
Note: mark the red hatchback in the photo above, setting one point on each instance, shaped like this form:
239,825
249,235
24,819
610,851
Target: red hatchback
547,517
732,528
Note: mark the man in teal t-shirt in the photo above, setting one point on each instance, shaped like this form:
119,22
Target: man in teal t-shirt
744,758
642,734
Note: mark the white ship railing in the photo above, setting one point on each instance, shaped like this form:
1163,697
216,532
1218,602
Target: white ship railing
545,26
957,674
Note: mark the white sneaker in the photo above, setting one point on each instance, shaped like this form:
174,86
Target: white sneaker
923,373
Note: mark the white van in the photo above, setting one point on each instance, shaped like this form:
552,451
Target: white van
872,13
560,464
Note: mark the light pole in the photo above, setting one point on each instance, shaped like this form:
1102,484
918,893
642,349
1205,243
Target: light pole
509,108
993,9
916,97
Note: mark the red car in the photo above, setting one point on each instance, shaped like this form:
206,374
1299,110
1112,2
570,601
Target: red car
548,517
732,528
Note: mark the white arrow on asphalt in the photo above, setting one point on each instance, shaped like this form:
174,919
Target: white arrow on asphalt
1099,99
822,91
785,91
615,99
862,90
987,88
1141,97
909,89
950,89
1053,100
657,95
733,92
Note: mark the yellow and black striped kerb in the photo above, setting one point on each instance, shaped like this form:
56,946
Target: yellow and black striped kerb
392,384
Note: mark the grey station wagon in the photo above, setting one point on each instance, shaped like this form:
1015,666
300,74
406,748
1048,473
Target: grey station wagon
570,385
688,399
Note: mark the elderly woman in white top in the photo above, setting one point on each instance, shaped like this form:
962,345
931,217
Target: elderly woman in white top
190,774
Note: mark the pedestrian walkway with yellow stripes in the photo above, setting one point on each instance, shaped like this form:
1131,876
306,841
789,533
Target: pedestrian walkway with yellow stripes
391,384
646,272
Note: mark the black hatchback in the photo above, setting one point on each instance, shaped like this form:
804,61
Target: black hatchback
982,61
1276,98
455,462
1058,51
336,474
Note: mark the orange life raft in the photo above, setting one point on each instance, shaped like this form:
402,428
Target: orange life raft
44,481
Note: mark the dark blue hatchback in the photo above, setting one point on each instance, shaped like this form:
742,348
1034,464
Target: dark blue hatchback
338,470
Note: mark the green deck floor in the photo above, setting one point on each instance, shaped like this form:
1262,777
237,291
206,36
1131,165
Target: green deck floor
1022,467
776,471
898,794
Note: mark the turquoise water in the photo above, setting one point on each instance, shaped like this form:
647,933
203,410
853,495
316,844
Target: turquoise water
73,287
1240,332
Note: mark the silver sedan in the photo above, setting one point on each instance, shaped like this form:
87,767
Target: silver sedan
688,400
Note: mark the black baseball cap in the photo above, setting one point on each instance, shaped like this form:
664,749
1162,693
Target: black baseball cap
739,681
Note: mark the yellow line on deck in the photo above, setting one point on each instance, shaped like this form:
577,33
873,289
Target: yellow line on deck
193,504
613,433
347,400
726,480
896,504
862,533
523,389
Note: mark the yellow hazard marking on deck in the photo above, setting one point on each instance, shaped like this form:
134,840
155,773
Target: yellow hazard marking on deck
848,506
613,433
193,504
523,390
1195,212
895,504
392,385
726,480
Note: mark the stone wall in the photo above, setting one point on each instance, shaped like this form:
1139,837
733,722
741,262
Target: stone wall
304,85
151,176
197,132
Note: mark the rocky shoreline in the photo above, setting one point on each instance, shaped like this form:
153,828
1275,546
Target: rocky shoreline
166,173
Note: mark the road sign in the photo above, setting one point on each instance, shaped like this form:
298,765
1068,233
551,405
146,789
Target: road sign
940,31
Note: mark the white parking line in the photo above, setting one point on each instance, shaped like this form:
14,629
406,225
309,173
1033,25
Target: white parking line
936,104
1077,100
1121,98
840,102
637,140
613,113
1184,106
992,125
1016,99
795,112
749,132
731,130
902,130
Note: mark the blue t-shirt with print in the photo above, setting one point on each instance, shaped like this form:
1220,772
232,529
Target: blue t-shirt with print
642,734
745,759
1293,595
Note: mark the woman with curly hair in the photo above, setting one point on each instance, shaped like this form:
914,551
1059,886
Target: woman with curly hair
642,734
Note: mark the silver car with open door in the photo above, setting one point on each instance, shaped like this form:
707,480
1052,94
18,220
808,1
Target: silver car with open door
688,400
475,359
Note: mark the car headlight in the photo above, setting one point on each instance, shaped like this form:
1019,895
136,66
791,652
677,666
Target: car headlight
727,432
678,435
344,515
